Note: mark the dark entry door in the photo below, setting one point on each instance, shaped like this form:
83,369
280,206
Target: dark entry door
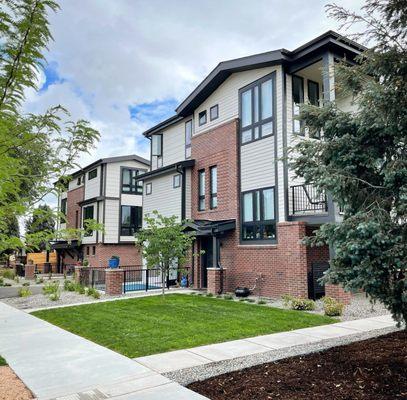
206,259
316,289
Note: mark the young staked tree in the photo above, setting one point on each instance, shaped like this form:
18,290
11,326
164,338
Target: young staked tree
35,150
362,160
164,244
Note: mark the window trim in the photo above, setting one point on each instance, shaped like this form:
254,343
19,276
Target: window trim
174,177
188,146
149,188
95,170
139,211
88,233
64,206
161,145
139,189
313,135
216,106
203,113
201,197
273,119
261,223
294,117
213,195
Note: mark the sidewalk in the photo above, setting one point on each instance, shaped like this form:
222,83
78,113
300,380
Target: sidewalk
54,363
203,355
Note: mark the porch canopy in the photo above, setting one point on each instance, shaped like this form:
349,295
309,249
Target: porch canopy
203,227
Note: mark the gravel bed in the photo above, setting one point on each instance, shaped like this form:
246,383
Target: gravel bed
188,375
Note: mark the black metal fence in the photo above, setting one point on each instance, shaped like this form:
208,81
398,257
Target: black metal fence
306,199
97,278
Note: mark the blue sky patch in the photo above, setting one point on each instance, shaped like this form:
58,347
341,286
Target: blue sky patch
154,112
51,76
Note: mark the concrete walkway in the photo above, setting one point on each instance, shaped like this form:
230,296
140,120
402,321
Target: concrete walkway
54,363
202,355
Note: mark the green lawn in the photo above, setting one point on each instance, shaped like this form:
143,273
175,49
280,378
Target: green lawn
149,325
2,361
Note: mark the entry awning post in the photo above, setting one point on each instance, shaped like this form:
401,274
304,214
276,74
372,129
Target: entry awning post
214,252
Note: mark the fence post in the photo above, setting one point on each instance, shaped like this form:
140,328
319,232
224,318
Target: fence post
168,279
147,279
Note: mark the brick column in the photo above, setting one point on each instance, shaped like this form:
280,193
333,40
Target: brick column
337,293
82,275
29,271
215,279
114,281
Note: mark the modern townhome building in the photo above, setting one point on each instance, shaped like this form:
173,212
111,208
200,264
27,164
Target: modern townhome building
219,162
107,192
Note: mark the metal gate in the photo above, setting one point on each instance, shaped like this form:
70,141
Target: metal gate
98,278
316,289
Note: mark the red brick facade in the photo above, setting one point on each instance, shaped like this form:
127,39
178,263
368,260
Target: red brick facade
271,270
114,281
73,215
129,254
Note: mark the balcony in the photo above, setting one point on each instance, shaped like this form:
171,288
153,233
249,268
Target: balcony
306,200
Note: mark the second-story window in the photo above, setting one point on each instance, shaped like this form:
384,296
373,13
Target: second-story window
214,187
176,181
157,145
87,214
202,118
149,188
92,174
129,183
298,99
201,190
257,110
188,138
63,206
78,181
214,112
131,220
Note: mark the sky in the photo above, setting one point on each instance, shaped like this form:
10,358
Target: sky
124,65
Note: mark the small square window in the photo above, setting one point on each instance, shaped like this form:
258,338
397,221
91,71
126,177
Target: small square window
92,174
149,188
176,181
214,112
202,118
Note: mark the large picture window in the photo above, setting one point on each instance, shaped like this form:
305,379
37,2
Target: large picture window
157,145
129,183
131,220
201,190
257,110
258,215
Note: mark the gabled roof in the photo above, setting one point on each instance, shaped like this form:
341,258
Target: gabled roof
338,44
130,157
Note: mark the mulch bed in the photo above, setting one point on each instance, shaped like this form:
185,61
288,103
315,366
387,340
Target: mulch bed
374,369
11,387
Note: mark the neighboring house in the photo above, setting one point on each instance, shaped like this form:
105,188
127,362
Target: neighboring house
219,162
106,191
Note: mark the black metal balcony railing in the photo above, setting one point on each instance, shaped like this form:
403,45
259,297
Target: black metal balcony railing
305,199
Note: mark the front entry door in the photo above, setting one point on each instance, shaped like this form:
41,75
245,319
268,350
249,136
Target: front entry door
206,259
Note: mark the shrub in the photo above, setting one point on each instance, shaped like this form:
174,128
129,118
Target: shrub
54,296
209,295
96,294
17,279
80,289
262,301
332,307
242,299
51,287
8,274
24,292
39,280
26,284
302,304
228,297
250,300
69,286
1,281
218,296
287,299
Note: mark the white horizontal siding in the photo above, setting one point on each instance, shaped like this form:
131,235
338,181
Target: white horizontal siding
257,165
227,97
164,198
73,184
111,221
131,200
92,187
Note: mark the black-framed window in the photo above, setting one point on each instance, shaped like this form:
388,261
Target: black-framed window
313,98
93,250
176,181
129,183
298,99
202,118
63,206
130,220
188,138
258,215
149,188
92,174
78,181
213,186
257,103
157,145
214,112
87,250
88,213
201,190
